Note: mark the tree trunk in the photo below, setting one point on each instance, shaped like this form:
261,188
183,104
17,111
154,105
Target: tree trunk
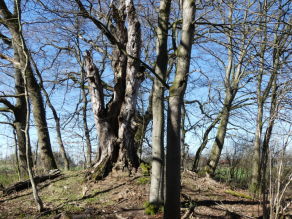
19,186
23,67
156,196
56,118
84,118
33,87
143,121
255,176
20,120
115,123
176,93
221,132
127,124
183,135
16,154
203,145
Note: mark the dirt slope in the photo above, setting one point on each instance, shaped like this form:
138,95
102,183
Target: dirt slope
120,196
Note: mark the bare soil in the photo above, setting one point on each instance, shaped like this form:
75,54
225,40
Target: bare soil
121,196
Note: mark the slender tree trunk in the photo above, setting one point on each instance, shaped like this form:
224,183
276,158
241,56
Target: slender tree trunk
16,154
183,135
221,133
26,131
143,123
176,93
257,149
203,145
261,98
156,196
84,118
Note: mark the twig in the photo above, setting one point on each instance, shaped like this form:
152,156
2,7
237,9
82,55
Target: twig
119,216
188,213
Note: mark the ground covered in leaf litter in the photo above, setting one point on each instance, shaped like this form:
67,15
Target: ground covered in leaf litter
121,196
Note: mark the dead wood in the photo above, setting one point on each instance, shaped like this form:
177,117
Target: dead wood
52,174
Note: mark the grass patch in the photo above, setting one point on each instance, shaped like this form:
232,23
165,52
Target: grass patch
8,179
146,168
151,209
142,180
70,208
238,194
93,200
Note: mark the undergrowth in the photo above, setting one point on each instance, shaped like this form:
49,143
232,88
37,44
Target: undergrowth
238,194
151,209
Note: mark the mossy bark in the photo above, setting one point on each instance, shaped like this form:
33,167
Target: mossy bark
156,196
176,93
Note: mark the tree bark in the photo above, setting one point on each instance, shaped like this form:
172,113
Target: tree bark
221,132
115,123
183,136
127,124
176,93
156,196
20,120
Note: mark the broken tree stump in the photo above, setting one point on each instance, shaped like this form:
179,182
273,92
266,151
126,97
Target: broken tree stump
52,174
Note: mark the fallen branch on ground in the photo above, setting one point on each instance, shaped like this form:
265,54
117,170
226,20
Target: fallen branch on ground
52,174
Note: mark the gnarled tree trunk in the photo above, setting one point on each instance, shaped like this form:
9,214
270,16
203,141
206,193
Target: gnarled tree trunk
115,123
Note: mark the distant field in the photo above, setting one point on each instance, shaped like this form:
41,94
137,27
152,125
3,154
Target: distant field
8,174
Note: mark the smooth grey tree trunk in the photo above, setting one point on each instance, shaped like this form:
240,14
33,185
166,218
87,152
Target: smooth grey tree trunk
183,135
156,196
176,93
84,118
261,98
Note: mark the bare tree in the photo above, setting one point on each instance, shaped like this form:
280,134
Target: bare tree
115,123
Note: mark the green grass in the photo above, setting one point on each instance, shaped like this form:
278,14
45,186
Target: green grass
146,168
142,180
238,194
8,179
151,209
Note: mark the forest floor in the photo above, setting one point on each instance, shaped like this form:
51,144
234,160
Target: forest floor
121,196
